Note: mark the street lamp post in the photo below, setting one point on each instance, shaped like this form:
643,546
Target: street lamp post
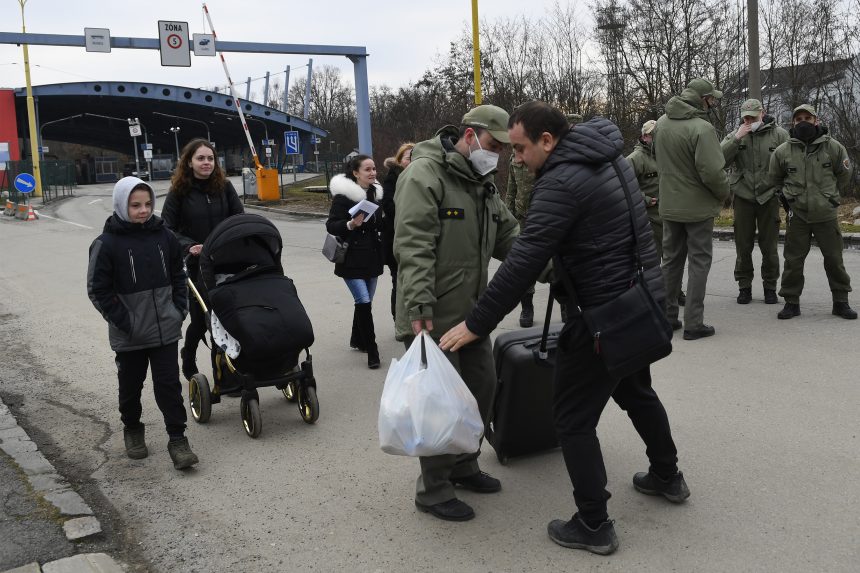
175,131
205,125
135,131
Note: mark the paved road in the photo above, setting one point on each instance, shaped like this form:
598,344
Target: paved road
764,414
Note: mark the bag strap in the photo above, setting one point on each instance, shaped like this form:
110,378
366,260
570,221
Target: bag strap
542,353
556,260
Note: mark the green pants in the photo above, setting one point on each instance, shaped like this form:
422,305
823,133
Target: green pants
657,229
798,240
750,215
478,370
693,243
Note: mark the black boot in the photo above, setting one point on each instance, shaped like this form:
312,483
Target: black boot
527,316
745,295
394,303
844,310
355,339
368,334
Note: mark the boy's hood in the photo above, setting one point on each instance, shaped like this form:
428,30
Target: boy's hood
121,193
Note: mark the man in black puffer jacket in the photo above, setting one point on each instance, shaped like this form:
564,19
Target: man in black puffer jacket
579,212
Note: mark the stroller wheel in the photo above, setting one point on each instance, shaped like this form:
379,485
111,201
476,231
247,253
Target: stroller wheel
309,406
200,398
290,392
251,419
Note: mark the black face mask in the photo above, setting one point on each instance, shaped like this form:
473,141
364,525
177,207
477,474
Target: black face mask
805,131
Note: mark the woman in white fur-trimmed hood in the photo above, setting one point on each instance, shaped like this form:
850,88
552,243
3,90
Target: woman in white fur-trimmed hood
364,256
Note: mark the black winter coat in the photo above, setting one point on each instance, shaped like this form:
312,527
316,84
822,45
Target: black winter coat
364,257
135,280
579,212
192,216
389,186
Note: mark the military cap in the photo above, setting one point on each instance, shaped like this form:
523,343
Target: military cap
648,127
493,119
804,107
751,108
704,88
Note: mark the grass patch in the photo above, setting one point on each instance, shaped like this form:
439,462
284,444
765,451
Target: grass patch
295,197
726,217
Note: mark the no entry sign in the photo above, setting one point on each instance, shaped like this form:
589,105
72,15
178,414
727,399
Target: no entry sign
174,46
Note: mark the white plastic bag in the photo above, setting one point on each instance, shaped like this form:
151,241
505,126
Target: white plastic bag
427,409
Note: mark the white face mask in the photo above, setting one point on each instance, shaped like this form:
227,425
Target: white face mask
755,126
482,160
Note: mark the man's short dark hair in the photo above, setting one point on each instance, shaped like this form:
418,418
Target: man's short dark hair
538,117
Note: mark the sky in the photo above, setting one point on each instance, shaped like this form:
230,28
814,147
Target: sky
402,37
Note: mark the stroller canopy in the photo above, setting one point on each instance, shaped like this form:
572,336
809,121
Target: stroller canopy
237,243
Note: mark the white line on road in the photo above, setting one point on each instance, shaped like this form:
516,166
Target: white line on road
94,201
64,221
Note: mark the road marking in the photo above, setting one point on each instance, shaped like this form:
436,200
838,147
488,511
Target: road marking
96,201
64,221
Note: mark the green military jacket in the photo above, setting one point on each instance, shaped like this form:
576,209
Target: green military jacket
811,176
693,184
450,222
749,159
645,166
519,193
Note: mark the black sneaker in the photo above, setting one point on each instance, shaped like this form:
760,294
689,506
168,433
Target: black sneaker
480,482
842,309
674,489
577,535
451,510
135,442
790,310
770,296
745,295
702,331
181,454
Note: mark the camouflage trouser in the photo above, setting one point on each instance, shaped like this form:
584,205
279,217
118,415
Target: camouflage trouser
798,240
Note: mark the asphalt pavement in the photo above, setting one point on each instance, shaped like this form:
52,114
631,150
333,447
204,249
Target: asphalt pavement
764,415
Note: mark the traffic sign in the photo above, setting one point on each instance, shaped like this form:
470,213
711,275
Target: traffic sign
147,154
204,44
173,43
43,149
134,130
25,183
291,142
97,39
146,146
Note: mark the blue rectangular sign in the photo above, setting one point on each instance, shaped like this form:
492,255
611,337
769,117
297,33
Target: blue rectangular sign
291,142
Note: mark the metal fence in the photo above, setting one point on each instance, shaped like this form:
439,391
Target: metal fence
58,178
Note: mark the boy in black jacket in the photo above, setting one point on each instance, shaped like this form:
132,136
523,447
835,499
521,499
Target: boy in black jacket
135,280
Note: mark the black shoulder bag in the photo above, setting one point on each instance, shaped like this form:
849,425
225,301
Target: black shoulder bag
630,331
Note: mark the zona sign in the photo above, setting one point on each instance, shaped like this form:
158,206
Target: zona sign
173,43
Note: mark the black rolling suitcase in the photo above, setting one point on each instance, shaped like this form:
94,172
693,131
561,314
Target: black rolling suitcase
521,421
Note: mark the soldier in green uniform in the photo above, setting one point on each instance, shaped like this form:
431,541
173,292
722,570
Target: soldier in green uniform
517,198
811,168
747,151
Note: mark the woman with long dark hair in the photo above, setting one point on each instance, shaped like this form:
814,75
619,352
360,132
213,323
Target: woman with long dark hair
364,256
200,197
395,166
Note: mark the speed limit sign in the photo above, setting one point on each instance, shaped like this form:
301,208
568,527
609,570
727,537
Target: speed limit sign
173,43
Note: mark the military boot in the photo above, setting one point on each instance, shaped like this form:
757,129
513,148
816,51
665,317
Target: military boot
181,454
135,442
842,309
527,315
790,310
745,295
770,296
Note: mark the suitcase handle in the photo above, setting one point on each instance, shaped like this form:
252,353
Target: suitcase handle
542,353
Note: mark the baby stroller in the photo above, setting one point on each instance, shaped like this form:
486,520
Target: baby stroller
256,322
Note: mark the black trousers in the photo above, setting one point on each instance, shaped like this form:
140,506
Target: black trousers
581,389
196,330
131,371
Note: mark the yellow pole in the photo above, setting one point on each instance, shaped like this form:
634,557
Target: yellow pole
31,111
476,53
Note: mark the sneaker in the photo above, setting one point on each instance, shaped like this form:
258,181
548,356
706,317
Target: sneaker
480,482
770,296
790,310
702,331
842,309
189,363
745,295
682,299
451,510
674,489
181,454
135,442
575,534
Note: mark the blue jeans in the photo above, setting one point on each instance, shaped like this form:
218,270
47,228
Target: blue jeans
362,289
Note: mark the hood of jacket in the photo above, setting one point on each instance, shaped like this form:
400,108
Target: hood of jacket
391,163
122,191
595,141
342,185
686,106
441,150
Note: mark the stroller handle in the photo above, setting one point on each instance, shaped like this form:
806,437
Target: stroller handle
191,286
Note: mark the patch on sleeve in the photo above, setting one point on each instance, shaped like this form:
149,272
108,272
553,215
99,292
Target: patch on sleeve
651,175
451,213
846,163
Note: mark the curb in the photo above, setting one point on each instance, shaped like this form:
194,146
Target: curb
306,214
45,480
83,563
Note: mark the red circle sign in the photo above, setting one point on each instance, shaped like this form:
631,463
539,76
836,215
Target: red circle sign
174,41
